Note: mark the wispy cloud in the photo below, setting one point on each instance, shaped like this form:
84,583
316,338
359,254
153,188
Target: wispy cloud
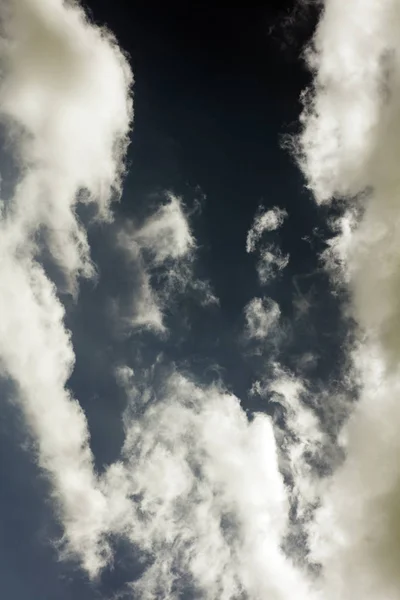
270,263
271,259
261,316
163,251
166,234
268,220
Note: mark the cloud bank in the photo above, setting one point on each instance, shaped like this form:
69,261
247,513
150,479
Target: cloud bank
217,504
349,151
65,105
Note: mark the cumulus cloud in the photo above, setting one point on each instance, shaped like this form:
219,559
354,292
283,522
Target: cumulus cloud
212,507
349,149
65,104
299,436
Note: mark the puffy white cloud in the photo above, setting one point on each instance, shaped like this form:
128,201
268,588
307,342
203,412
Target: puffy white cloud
54,67
198,489
349,149
355,533
65,104
212,508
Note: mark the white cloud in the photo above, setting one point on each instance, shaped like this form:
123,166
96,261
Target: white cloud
355,532
163,252
212,502
144,310
299,437
64,99
166,234
270,263
200,489
349,148
198,485
261,316
264,221
271,259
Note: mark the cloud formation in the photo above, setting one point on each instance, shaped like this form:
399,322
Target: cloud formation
270,263
65,105
349,151
269,220
163,252
271,259
212,506
261,315
209,498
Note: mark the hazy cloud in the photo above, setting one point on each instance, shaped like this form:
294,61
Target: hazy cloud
270,263
162,251
261,316
271,259
269,220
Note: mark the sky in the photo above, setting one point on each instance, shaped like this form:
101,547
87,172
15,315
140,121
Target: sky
199,279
